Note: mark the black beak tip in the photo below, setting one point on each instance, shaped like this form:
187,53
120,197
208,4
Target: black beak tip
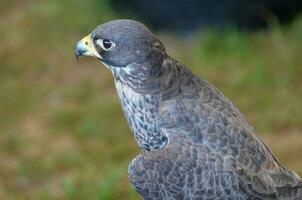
79,52
76,55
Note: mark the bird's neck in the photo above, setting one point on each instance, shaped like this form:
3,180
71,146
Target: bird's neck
140,92
142,78
161,80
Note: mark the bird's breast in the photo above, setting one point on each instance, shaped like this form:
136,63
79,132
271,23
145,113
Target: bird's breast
140,112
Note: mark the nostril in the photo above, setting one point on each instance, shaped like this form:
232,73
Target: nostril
86,42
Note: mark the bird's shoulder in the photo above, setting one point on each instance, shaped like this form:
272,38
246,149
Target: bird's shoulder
208,118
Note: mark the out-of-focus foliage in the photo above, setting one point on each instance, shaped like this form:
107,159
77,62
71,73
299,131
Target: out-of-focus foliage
62,133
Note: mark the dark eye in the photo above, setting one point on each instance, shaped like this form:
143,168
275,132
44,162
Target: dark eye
107,44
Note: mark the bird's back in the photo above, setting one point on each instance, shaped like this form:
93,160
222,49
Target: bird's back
213,152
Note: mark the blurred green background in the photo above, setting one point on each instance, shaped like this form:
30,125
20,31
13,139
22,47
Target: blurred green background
62,132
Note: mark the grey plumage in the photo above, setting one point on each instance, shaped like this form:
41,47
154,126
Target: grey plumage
197,144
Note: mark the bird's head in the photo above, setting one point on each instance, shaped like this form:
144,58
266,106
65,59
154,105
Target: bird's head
119,43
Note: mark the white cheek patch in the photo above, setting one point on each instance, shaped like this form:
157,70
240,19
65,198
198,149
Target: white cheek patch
99,42
96,54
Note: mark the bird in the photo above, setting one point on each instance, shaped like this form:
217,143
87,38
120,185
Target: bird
195,142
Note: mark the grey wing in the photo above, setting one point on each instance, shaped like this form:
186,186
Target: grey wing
185,171
208,120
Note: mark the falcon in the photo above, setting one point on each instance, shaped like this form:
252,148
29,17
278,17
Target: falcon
196,143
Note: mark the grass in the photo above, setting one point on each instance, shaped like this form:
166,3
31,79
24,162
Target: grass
62,133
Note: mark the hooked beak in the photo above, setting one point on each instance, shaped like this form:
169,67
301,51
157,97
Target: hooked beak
85,47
